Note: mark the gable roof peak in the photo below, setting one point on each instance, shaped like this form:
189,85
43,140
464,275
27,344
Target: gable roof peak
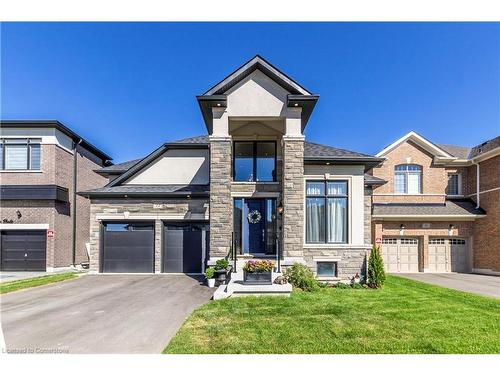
257,63
419,140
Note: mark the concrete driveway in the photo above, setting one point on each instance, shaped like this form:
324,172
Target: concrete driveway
479,284
101,313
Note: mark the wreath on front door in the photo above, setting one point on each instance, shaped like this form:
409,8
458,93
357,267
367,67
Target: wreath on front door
254,217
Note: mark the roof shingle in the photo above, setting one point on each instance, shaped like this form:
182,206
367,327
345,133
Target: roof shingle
450,207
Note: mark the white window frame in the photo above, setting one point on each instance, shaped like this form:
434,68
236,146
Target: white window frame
459,184
405,174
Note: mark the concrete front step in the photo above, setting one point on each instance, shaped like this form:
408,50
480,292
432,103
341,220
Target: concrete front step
237,288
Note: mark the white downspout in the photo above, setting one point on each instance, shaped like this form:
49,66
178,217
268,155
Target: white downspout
477,184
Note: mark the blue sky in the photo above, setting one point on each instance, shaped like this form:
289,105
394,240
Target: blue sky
129,87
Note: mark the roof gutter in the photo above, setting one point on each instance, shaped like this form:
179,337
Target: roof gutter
478,183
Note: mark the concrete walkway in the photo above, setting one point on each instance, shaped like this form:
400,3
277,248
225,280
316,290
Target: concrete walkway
101,313
484,285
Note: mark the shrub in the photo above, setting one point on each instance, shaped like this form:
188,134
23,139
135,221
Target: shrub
340,285
258,266
222,264
357,286
376,273
301,277
210,273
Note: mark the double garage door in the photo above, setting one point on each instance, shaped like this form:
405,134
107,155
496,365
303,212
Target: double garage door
128,247
445,255
23,250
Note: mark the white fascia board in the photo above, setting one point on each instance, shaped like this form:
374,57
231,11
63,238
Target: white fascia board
486,155
420,141
23,226
426,217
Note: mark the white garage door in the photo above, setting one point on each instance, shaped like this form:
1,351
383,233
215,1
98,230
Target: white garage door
400,254
448,255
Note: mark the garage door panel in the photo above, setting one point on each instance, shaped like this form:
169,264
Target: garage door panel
184,246
400,254
128,248
23,251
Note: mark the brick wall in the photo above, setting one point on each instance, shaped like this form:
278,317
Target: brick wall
434,178
487,229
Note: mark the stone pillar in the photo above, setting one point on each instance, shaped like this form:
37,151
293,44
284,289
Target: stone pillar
95,239
293,197
368,216
221,203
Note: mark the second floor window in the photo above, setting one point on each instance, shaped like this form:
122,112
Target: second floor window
20,154
453,184
254,161
408,179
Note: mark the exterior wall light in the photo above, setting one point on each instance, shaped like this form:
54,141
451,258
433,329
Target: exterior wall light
450,229
401,229
280,209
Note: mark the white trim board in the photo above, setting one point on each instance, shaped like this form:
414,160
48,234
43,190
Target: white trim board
23,226
418,139
151,217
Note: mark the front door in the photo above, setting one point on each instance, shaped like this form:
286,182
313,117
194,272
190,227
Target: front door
255,226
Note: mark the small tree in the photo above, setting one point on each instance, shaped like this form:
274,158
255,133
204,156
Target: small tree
376,273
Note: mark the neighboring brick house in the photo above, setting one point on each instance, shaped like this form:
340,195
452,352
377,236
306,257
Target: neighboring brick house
252,184
428,216
44,224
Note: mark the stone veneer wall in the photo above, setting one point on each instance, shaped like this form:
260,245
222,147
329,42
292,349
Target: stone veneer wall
349,261
368,216
181,208
293,197
221,203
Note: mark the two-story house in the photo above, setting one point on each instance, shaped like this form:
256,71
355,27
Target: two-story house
439,208
44,224
252,185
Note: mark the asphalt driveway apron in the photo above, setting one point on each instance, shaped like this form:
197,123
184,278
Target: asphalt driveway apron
484,285
101,313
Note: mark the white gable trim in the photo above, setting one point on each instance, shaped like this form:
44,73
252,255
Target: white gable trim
421,141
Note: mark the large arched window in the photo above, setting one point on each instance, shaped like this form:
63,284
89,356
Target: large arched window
408,179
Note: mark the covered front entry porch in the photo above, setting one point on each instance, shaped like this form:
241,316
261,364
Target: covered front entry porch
255,227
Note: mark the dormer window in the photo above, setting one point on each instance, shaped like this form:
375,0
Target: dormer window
408,179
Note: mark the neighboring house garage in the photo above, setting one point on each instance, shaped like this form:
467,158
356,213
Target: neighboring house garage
400,254
449,255
426,237
23,250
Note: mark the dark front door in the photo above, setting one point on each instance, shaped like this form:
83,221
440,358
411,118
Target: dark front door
128,247
255,225
256,232
184,247
23,250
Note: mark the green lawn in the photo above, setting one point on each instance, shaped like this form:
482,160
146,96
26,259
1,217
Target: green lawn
11,286
404,317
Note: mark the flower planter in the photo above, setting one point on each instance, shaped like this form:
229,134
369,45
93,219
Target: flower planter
258,278
223,276
211,283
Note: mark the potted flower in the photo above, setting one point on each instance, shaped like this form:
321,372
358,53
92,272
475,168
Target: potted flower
209,275
258,272
222,269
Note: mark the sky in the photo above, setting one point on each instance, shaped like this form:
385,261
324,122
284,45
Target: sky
129,87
